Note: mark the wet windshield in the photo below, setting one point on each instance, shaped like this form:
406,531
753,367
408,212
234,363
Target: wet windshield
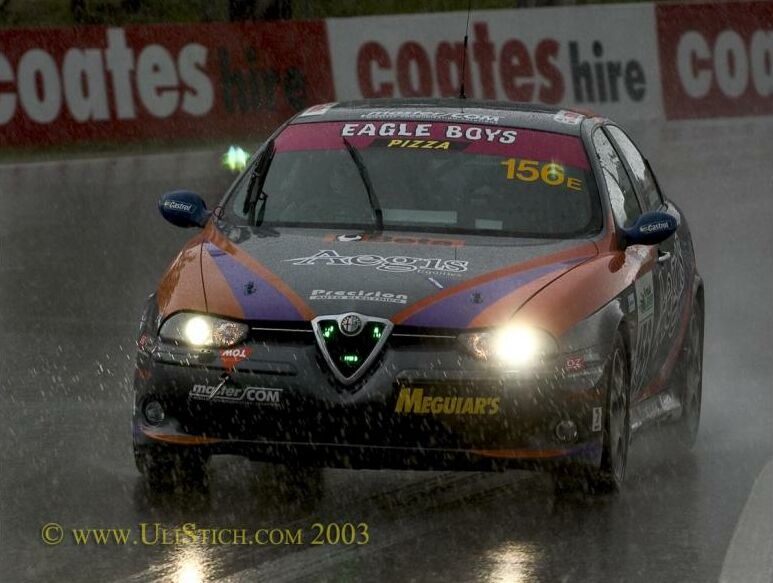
429,177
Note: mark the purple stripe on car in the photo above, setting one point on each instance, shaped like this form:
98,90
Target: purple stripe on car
458,310
259,299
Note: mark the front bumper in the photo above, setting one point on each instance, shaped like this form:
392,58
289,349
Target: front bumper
423,404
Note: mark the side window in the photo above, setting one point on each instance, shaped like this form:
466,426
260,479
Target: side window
625,205
642,176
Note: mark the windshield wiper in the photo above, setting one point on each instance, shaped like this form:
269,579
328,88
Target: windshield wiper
255,192
375,207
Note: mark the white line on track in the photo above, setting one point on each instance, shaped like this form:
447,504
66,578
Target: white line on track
749,557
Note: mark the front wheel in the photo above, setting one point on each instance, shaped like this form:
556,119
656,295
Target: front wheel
691,379
617,423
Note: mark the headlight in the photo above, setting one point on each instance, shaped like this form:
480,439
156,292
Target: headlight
518,346
203,331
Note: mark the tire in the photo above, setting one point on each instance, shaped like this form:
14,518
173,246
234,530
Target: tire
167,468
617,424
691,379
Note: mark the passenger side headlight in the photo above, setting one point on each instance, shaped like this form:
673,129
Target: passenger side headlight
203,331
517,346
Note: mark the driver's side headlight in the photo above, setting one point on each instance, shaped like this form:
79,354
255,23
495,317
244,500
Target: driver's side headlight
203,331
516,346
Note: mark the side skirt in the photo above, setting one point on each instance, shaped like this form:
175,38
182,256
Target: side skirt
661,407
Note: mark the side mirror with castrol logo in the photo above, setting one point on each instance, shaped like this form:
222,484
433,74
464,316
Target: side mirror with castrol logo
651,228
184,209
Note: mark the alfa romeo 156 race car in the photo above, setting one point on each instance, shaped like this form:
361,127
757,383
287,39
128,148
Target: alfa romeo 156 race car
435,284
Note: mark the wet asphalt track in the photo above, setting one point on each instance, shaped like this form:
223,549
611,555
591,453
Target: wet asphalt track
81,245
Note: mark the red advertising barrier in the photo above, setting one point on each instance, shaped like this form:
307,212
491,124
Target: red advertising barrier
166,81
716,59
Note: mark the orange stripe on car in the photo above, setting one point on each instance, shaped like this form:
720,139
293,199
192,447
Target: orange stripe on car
222,242
579,251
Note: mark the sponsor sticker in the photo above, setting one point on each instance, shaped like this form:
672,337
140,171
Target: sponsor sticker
569,117
575,363
233,356
414,401
393,264
597,418
400,131
359,295
178,206
243,395
438,115
320,109
397,239
645,296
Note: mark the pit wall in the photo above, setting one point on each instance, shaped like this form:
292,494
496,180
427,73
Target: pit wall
638,63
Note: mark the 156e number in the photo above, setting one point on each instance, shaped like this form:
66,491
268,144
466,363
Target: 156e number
550,173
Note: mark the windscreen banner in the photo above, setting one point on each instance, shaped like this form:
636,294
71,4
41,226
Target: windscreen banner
158,82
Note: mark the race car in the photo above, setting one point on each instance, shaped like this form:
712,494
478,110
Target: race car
438,284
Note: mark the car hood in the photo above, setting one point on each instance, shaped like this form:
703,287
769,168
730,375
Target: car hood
412,279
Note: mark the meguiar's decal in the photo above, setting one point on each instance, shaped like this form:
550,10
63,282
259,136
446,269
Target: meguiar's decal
550,173
416,402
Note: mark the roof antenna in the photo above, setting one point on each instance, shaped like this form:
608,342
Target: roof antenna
464,54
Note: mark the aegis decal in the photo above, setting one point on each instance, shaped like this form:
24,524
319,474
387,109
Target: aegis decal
97,84
395,264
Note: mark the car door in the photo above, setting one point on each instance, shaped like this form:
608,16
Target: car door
669,270
626,208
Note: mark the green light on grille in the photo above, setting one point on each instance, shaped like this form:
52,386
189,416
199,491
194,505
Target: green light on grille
376,332
350,358
327,331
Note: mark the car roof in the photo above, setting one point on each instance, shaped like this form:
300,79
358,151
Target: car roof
501,113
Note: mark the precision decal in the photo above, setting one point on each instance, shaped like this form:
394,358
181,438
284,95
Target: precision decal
414,401
361,295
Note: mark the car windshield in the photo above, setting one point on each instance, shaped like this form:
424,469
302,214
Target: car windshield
442,177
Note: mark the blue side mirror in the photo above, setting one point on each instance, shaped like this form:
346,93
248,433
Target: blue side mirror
651,228
184,209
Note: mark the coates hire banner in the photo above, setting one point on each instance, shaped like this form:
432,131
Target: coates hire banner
603,58
167,81
717,60
630,62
